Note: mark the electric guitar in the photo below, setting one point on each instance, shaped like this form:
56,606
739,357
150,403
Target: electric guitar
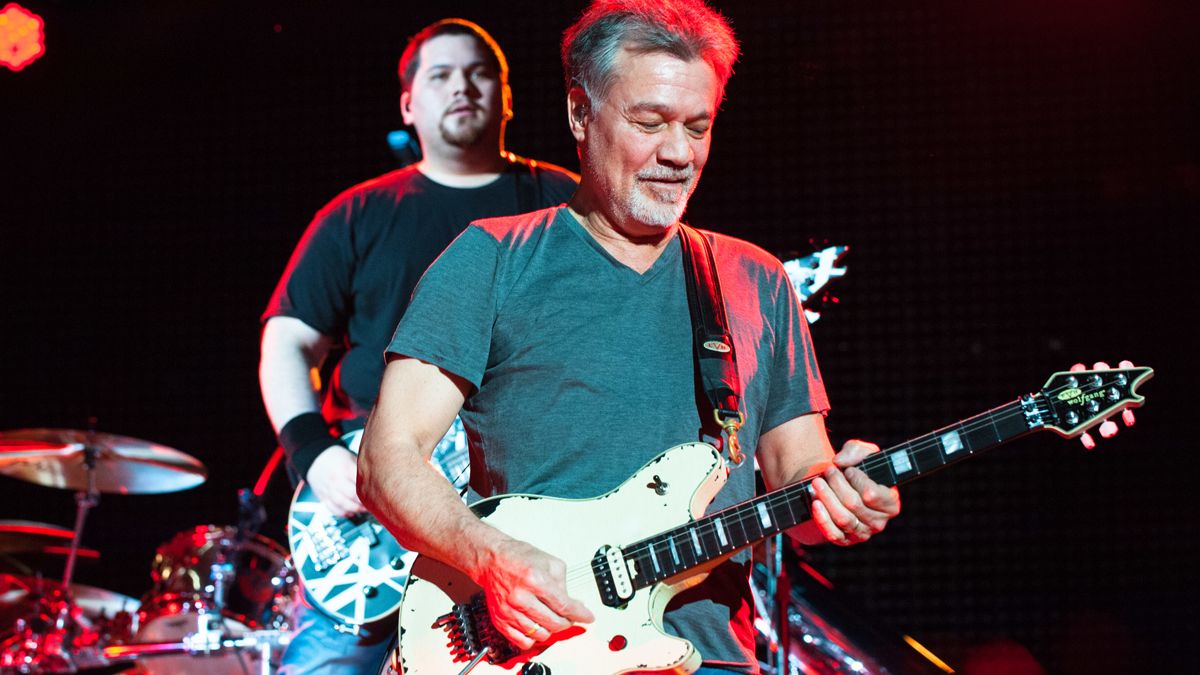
626,569
354,569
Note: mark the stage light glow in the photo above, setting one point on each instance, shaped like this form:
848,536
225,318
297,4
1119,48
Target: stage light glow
924,651
21,37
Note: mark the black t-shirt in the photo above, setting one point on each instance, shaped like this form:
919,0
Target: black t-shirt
353,273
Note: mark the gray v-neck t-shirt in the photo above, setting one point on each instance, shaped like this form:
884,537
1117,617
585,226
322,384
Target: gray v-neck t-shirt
582,371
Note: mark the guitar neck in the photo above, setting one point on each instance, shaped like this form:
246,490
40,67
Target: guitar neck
700,541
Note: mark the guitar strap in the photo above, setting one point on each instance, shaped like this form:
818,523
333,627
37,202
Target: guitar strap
529,195
717,362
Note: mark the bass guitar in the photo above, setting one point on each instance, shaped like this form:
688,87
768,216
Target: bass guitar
353,569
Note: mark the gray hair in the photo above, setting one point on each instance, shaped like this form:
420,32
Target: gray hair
687,29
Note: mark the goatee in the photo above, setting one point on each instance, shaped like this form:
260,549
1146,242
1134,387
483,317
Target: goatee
462,133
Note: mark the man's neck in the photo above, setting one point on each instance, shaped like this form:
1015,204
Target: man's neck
632,244
466,168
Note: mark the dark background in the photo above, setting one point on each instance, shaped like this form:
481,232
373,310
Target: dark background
1018,181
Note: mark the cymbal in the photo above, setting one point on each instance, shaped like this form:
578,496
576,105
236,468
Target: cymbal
26,536
93,601
124,465
29,537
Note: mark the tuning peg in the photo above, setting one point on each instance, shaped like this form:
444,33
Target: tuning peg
1087,440
1100,365
1078,367
1125,364
1108,429
1127,417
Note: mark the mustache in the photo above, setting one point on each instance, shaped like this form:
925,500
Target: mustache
665,173
464,104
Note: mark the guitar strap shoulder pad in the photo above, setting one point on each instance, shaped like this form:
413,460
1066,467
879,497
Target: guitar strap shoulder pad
713,340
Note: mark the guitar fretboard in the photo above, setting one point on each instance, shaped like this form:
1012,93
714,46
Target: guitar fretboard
683,548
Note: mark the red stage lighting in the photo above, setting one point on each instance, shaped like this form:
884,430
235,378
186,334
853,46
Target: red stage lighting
21,38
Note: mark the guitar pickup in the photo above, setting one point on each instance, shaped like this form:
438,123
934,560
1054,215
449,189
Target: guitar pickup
613,577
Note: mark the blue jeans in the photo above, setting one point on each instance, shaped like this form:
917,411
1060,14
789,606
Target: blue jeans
317,648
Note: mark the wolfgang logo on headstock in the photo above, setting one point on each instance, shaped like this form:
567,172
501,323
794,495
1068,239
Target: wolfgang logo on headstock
1079,399
1075,396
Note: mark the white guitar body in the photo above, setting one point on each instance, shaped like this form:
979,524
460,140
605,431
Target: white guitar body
626,639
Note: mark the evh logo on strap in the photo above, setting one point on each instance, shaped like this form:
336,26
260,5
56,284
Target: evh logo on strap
717,346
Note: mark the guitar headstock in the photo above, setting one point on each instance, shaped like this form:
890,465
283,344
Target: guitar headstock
1081,399
810,275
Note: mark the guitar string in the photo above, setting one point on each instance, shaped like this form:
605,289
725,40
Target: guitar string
788,494
917,447
743,513
347,527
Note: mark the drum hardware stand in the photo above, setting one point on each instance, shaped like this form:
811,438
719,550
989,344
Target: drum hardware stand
207,641
53,643
221,568
251,516
778,589
84,500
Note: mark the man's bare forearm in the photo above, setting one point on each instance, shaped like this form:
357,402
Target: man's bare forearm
417,404
421,508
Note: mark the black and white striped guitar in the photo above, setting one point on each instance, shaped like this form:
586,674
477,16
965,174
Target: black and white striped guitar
353,568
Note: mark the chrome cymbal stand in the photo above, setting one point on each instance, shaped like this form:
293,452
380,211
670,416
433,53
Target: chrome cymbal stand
778,589
84,500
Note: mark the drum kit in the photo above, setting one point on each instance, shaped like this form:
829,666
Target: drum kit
221,598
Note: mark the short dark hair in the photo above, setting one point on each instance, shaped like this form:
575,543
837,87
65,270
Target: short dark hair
687,29
410,60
